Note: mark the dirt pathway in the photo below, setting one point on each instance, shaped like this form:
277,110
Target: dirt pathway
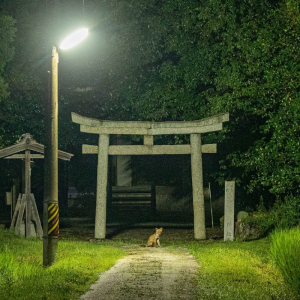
148,273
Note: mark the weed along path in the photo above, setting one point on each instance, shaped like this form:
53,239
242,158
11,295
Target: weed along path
148,273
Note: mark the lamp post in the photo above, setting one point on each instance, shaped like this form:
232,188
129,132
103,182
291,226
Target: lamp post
51,212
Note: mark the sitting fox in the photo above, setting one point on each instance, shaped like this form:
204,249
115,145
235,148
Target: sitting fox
154,238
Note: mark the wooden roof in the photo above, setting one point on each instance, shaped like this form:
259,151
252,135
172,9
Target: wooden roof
26,142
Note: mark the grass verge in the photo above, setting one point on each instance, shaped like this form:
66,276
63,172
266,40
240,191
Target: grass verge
77,266
238,271
285,249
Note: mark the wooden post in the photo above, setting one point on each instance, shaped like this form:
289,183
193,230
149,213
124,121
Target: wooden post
27,194
14,197
17,209
20,214
35,217
197,181
100,219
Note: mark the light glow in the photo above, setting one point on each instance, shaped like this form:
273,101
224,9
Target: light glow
74,39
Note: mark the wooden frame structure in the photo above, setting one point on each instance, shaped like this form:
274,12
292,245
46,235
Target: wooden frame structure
26,202
148,130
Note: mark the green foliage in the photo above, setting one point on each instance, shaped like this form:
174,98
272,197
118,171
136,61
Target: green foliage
284,214
77,266
285,249
254,52
7,35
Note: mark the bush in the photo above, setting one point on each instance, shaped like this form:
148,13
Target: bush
283,215
285,250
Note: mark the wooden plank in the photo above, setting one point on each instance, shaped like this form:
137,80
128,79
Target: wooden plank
131,196
12,150
18,205
132,203
27,193
148,150
36,218
20,214
22,156
132,188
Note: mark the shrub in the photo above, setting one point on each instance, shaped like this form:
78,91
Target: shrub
285,250
283,215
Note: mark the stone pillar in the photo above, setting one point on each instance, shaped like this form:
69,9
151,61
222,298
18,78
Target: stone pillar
197,181
229,211
100,219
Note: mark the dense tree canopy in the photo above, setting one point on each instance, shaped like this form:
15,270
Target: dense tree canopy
168,60
7,34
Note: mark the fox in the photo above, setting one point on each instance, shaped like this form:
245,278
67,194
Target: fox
153,240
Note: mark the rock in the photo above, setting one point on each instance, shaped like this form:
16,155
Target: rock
243,231
242,215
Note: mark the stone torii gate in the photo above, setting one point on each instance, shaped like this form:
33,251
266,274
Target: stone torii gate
148,130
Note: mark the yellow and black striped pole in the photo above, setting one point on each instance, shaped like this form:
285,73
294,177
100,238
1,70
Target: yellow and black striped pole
53,220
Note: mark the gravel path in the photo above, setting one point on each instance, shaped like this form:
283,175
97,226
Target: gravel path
148,273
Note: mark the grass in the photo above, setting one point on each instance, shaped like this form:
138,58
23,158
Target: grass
77,266
285,249
238,271
230,270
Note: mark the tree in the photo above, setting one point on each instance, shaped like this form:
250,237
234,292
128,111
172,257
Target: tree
255,55
7,35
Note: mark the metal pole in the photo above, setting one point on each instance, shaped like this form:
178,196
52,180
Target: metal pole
51,216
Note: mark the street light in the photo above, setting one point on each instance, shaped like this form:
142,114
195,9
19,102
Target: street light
51,214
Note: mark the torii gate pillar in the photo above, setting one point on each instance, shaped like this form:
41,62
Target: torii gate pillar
197,181
100,218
